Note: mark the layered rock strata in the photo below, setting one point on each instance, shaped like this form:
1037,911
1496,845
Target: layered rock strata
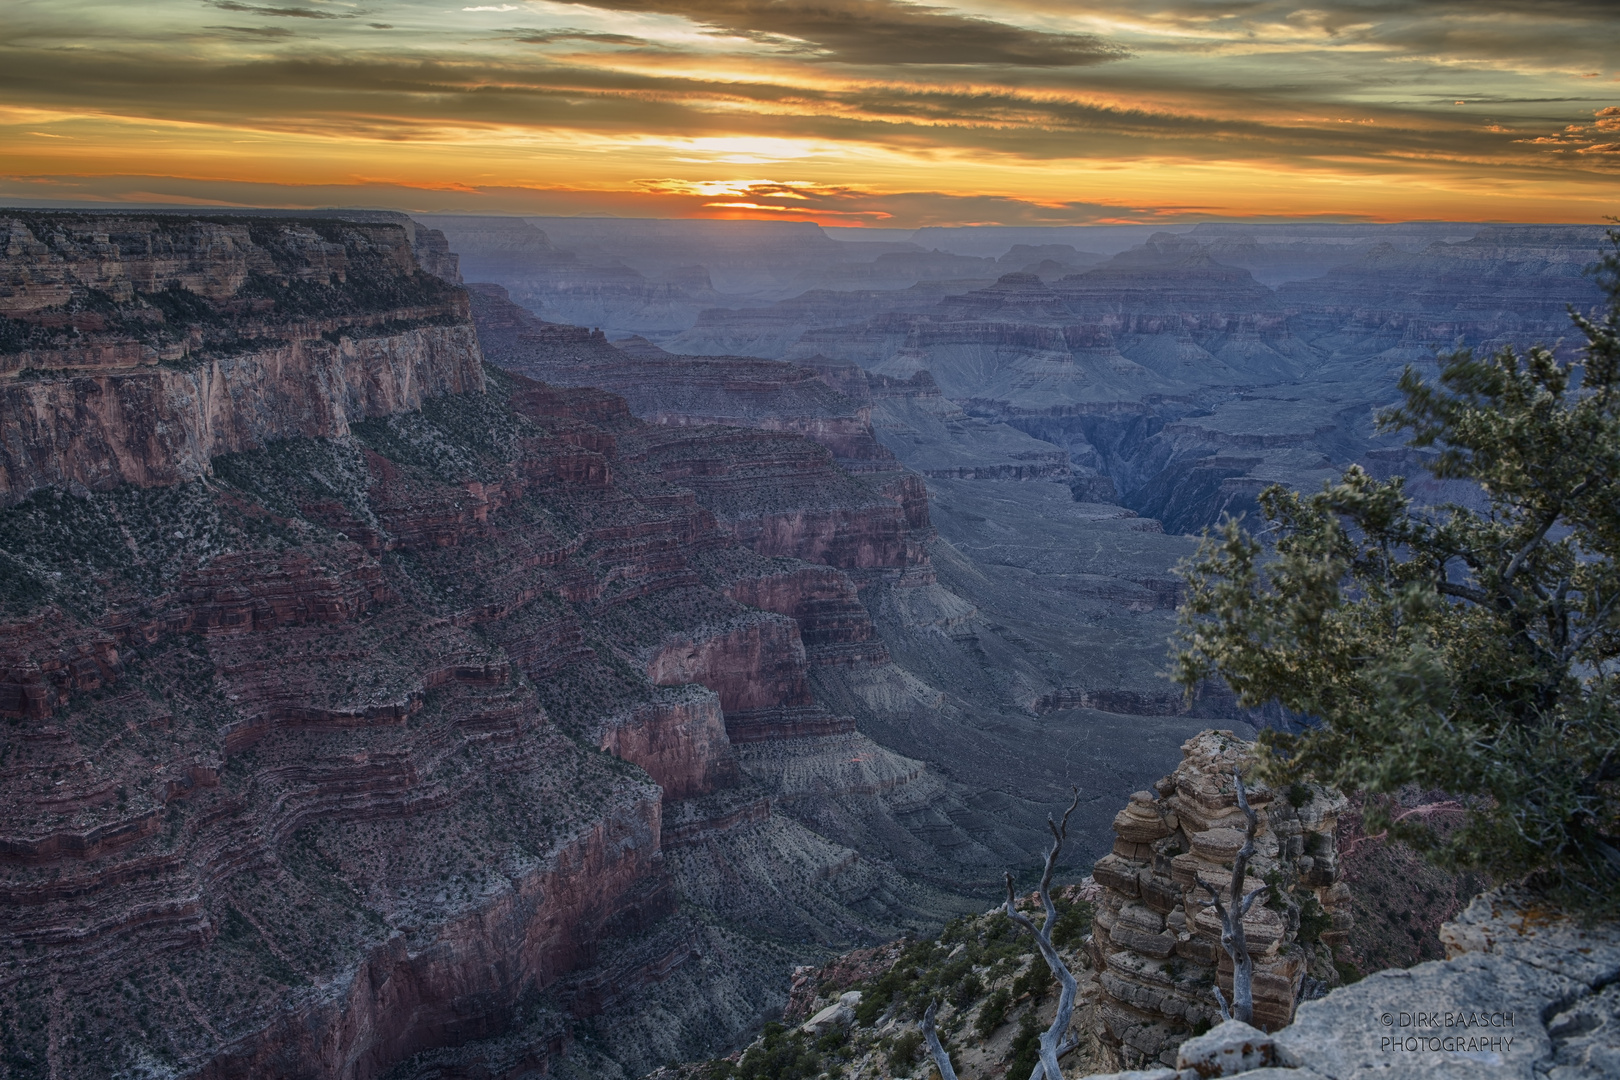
1157,945
299,752
135,349
1523,993
663,388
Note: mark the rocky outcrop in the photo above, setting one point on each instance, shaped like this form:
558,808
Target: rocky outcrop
139,348
1157,945
834,625
679,739
159,427
1524,994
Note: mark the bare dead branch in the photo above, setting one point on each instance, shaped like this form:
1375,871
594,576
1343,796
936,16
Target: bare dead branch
1053,1045
1232,936
1220,1002
1426,810
942,1060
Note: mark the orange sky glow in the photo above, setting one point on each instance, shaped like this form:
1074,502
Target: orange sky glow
846,112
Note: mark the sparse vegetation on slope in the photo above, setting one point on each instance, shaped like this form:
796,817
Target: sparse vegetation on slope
996,995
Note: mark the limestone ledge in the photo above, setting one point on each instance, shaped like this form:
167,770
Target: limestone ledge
157,425
1524,995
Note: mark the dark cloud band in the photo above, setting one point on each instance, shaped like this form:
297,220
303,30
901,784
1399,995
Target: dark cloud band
881,32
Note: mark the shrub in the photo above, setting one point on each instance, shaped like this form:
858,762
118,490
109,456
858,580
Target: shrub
1025,1052
906,1049
993,1013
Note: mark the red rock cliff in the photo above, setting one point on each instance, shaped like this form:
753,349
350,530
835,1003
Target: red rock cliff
134,350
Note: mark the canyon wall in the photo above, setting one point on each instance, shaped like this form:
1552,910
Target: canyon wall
1050,627
345,744
1183,375
134,350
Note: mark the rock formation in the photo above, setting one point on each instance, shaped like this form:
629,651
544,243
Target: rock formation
1523,993
348,745
1192,370
986,671
134,350
1157,944
685,391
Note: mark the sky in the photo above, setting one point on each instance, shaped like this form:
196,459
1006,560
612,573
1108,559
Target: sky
875,113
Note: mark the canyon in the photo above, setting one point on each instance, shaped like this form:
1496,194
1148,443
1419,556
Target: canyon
372,710
1178,372
410,678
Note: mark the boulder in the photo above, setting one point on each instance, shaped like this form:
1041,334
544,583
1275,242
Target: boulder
840,1013
1227,1049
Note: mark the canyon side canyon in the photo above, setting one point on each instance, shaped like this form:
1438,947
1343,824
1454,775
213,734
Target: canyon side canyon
478,647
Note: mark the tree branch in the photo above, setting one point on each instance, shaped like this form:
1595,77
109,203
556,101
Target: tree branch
1052,1040
942,1060
1462,592
1233,939
1516,564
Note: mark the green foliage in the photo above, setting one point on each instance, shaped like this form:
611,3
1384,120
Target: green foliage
182,307
1037,981
928,969
1465,651
1026,1047
291,472
907,1048
1313,920
782,1055
993,1013
63,548
1073,924
965,990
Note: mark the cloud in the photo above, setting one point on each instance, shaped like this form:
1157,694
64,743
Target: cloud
278,12
1343,98
551,37
257,31
375,96
881,32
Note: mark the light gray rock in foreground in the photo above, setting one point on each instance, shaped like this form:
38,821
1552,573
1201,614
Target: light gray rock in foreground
1229,1048
1522,996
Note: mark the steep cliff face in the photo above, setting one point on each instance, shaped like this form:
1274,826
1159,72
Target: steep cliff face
285,807
132,350
303,755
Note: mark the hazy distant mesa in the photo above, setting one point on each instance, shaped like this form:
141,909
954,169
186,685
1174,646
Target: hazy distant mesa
853,111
